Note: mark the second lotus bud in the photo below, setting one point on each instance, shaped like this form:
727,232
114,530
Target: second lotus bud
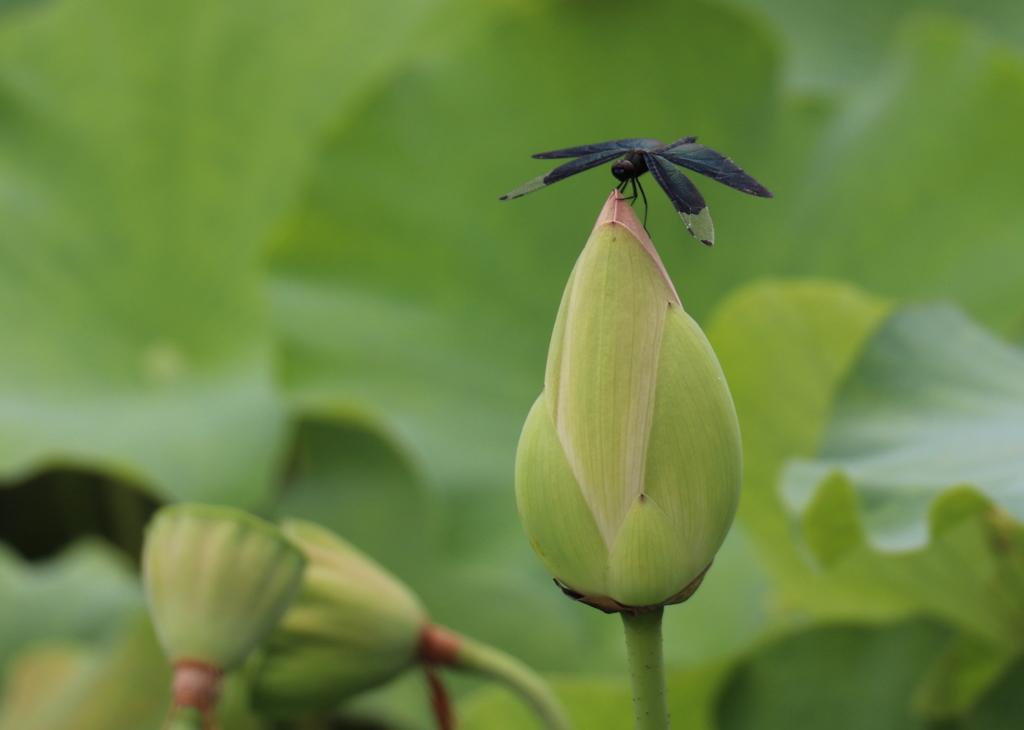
352,627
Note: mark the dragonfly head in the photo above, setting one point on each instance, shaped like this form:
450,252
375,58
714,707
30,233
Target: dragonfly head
629,167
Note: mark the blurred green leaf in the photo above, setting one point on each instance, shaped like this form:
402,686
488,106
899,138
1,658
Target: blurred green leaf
124,686
923,441
350,480
600,703
836,677
967,668
733,609
908,185
971,574
835,44
1002,708
147,152
785,348
934,402
914,187
403,704
593,704
85,594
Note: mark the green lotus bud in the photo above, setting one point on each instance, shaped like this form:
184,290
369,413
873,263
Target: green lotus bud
629,465
353,626
217,581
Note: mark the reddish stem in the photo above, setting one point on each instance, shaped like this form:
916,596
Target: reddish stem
196,684
439,647
439,699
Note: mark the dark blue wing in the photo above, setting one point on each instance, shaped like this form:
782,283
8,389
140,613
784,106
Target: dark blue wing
714,164
685,196
563,171
684,140
622,145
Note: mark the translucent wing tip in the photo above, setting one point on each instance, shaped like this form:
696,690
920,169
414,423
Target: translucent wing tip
700,226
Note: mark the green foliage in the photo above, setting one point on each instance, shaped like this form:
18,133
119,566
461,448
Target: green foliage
252,253
842,677
935,402
122,685
597,702
85,594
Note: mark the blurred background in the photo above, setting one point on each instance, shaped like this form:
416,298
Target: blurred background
251,253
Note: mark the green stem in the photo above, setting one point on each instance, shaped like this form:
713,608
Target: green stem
643,646
184,718
498,665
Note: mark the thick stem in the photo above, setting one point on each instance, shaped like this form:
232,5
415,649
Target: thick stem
486,660
643,646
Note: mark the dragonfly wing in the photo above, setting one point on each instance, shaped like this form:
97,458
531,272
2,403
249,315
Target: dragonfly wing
621,145
686,198
563,171
715,165
673,145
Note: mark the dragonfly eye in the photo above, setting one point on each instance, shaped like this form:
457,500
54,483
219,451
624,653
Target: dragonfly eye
622,169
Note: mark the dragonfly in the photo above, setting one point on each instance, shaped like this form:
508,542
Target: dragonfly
640,155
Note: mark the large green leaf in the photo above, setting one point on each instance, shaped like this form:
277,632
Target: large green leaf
925,437
147,151
934,403
837,677
909,187
785,348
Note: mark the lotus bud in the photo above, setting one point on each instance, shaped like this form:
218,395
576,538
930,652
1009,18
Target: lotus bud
629,465
353,626
217,581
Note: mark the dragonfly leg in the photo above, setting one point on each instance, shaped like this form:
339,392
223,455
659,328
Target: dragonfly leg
644,196
622,188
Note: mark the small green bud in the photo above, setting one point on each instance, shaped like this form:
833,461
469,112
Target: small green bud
353,626
217,581
629,465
